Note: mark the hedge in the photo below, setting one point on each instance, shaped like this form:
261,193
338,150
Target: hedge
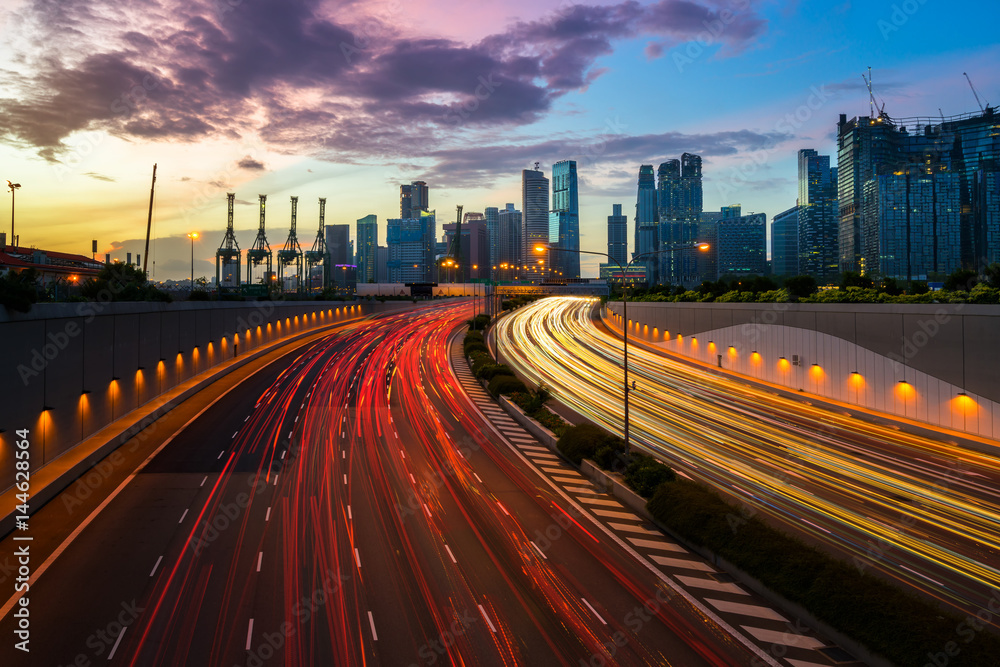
905,629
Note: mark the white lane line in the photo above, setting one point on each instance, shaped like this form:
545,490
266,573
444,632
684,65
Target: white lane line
203,481
540,552
427,510
260,556
276,480
235,434
591,608
488,621
290,435
503,508
611,514
249,634
401,451
246,418
156,566
477,478
602,501
296,419
282,453
450,554
345,478
220,455
784,638
343,453
412,478
657,544
371,622
820,527
634,529
117,642
267,517
681,564
182,517
357,557
919,574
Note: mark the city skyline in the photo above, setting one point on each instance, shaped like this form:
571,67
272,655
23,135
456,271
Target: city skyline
122,94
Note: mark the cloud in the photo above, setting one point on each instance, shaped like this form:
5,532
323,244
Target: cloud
250,164
321,79
99,177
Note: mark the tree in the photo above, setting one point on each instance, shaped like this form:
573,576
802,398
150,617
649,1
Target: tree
854,279
19,289
800,286
121,282
919,287
961,280
889,286
991,275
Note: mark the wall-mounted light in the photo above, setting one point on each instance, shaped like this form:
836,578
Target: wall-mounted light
141,368
115,378
903,382
84,392
962,393
47,408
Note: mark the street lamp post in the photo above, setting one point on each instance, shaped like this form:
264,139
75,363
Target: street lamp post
700,246
192,236
13,188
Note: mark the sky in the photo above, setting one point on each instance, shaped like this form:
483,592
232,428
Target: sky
347,100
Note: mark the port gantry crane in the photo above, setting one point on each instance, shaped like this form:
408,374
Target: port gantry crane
291,253
227,257
260,252
319,254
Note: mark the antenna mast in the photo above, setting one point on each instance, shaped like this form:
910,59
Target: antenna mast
149,223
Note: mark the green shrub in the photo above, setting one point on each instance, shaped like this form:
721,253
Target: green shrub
490,371
644,474
506,384
612,455
887,620
581,442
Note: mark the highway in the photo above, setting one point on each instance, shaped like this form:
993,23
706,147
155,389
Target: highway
346,504
915,509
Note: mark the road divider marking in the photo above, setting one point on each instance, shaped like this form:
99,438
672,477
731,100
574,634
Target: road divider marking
153,571
345,478
276,480
427,510
591,608
487,618
349,513
446,548
267,517
477,478
117,642
249,634
357,557
182,516
220,455
205,479
371,622
260,556
540,552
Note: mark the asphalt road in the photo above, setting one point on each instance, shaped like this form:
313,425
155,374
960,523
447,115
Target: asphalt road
345,505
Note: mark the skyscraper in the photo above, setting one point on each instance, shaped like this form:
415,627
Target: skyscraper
510,245
367,235
492,215
680,208
412,198
564,220
785,243
914,220
647,231
618,235
535,221
338,243
819,222
741,247
412,245
474,246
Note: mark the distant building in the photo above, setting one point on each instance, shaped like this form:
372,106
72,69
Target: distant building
381,264
967,145
564,220
819,221
741,248
510,245
412,198
636,274
52,267
647,221
412,248
679,189
492,215
916,222
618,235
367,236
338,243
474,248
785,243
535,221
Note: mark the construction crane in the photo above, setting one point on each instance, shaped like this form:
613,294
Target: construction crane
319,254
227,257
871,96
291,253
260,252
975,94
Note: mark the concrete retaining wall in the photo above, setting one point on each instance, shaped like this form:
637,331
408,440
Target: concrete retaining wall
932,363
73,368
